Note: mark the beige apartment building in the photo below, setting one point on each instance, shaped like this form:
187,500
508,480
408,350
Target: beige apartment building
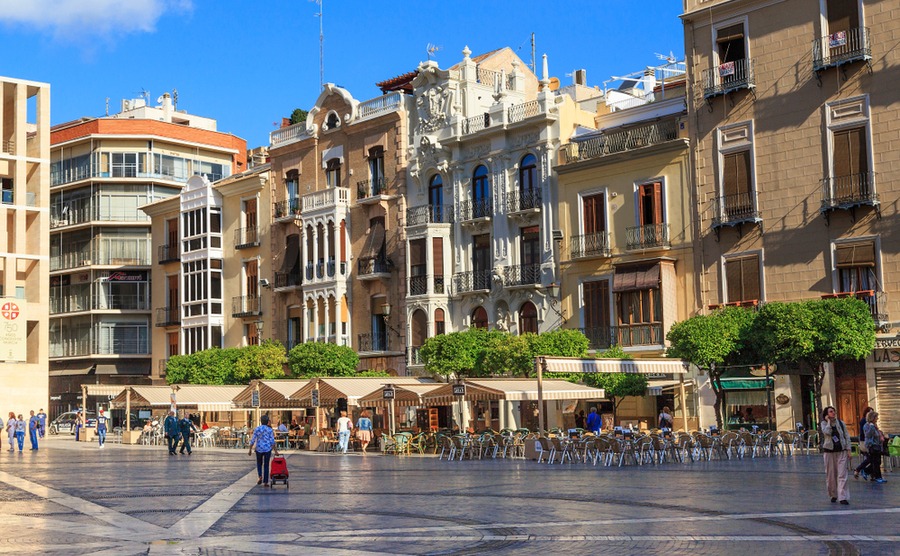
101,251
625,211
25,260
338,246
794,131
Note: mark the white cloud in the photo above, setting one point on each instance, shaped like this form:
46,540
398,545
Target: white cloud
80,19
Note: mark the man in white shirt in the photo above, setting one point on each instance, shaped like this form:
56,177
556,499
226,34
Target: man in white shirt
344,425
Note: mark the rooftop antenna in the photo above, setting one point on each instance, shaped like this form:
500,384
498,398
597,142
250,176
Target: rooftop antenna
321,16
431,49
107,106
146,94
670,58
175,98
533,67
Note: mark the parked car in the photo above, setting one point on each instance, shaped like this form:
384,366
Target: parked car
65,423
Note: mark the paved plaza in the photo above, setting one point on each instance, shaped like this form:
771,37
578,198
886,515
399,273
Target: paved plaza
69,498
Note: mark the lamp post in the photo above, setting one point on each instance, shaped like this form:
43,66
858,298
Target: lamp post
259,330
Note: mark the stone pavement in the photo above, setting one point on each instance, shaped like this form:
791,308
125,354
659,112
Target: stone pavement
69,498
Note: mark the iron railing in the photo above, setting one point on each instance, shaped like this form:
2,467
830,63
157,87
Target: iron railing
647,237
371,188
599,337
519,201
476,123
168,253
734,209
728,77
472,281
523,111
168,316
429,214
368,341
418,285
639,335
589,245
288,279
521,275
841,47
414,356
848,191
246,306
876,300
620,141
373,265
479,208
286,208
246,237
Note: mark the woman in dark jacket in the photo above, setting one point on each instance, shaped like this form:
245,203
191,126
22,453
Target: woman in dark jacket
863,467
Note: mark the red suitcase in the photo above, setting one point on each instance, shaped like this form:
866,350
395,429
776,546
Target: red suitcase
279,471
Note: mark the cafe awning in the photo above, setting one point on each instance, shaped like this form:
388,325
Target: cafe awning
190,396
405,395
351,388
633,366
104,389
273,394
744,379
511,389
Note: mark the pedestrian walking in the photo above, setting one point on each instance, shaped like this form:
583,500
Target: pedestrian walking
665,418
79,422
11,431
170,427
344,426
1,428
875,446
864,465
42,417
836,452
364,429
20,432
263,441
101,428
593,422
186,427
34,425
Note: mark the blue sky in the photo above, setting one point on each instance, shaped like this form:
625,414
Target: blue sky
247,64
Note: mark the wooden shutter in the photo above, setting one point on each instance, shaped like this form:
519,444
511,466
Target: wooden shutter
252,278
850,156
858,254
417,252
650,199
596,304
172,232
736,174
742,279
437,254
250,212
594,214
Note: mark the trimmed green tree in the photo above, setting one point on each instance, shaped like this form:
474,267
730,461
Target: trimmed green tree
617,385
264,361
298,115
457,353
312,359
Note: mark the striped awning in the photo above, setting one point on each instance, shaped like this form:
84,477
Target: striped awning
406,395
200,396
273,394
351,388
634,366
511,389
104,389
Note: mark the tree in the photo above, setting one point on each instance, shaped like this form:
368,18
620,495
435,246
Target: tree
617,385
298,115
262,361
312,359
507,355
210,366
712,341
457,353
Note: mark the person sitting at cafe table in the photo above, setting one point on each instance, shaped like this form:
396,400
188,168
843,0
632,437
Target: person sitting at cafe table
295,426
749,418
282,427
737,417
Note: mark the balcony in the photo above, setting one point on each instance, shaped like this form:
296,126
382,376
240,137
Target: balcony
479,210
877,301
621,141
326,199
638,335
847,192
728,77
8,146
287,209
476,123
651,236
96,209
371,191
525,275
373,269
379,105
168,316
246,237
599,337
108,252
285,280
589,245
472,281
418,285
429,214
731,210
246,306
520,202
286,135
68,302
841,48
523,111
369,342
168,253
102,345
414,356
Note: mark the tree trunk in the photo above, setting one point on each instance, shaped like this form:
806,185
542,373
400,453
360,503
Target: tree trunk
615,409
818,378
716,382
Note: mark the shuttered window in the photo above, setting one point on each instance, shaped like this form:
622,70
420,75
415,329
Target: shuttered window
742,279
730,41
437,248
850,156
596,304
736,175
594,214
650,203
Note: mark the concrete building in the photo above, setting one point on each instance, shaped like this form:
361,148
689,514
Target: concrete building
625,211
25,259
102,170
339,183
794,130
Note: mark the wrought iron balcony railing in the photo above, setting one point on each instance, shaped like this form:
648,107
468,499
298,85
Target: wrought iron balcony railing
521,275
168,253
288,279
728,77
371,266
479,208
414,356
168,316
418,285
647,237
589,245
476,123
599,337
246,306
371,188
849,191
287,208
624,140
639,335
429,214
472,281
841,47
368,341
735,209
246,237
519,201
877,301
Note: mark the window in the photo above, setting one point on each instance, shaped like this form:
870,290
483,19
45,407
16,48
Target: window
843,15
439,327
638,305
850,165
529,188
732,68
481,253
251,278
436,198
650,207
249,210
736,200
596,313
855,265
127,165
6,186
528,319
333,121
418,280
593,213
730,44
333,173
376,169
481,193
530,248
479,318
736,183
742,282
292,185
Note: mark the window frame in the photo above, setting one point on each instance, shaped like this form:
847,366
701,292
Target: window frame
745,22
610,299
582,196
723,282
534,182
846,114
835,271
638,203
731,139
825,28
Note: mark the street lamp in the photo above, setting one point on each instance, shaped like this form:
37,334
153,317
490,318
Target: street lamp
259,331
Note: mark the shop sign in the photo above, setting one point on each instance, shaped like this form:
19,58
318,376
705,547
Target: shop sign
886,358
13,329
459,389
388,393
315,397
120,276
254,398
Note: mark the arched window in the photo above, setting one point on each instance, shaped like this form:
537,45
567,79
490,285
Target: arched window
436,198
439,322
528,318
332,121
529,189
479,318
481,193
419,328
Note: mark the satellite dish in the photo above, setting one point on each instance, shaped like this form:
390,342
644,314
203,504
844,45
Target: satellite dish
554,83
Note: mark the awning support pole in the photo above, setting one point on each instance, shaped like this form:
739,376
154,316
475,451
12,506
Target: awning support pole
128,412
681,394
539,363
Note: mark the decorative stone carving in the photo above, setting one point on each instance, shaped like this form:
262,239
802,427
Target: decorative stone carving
477,151
524,139
433,108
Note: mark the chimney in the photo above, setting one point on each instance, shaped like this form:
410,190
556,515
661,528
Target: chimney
167,107
581,77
